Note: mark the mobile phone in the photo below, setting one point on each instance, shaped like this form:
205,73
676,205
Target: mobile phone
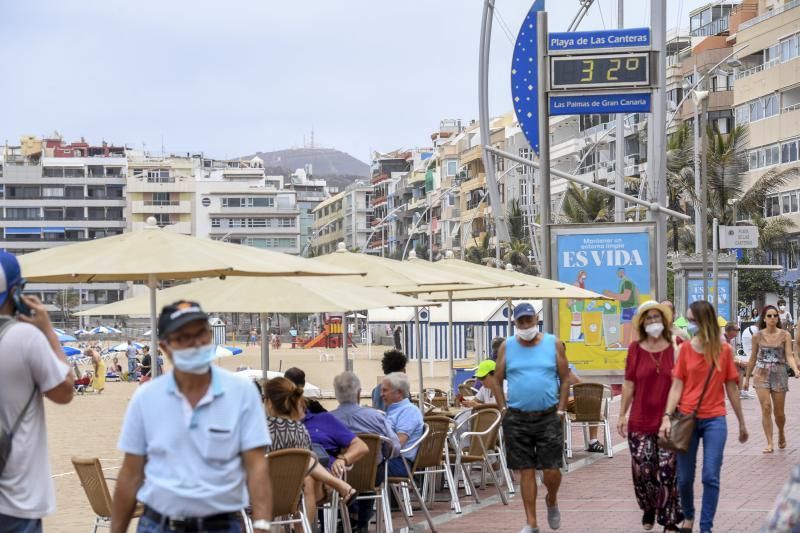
20,305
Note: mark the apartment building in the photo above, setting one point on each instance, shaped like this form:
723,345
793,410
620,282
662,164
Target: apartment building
310,193
387,201
163,188
54,193
345,217
235,201
767,99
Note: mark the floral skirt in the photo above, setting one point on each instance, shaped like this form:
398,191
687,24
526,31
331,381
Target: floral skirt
655,479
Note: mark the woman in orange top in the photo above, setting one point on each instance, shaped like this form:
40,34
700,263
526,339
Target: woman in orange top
703,363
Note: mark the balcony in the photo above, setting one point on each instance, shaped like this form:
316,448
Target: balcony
769,14
167,184
269,231
150,207
715,27
184,228
470,155
758,68
380,178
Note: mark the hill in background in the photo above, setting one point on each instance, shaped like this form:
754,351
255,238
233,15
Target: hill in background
338,168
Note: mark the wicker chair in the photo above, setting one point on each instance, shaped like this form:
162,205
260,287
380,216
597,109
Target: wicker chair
466,390
437,397
90,473
362,478
591,409
287,472
474,446
429,449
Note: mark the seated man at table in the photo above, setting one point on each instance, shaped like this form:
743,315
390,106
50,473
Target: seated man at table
485,374
360,419
404,417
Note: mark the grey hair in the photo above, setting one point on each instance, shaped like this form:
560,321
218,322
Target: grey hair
399,381
346,386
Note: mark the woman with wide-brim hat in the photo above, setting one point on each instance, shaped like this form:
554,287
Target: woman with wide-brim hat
648,378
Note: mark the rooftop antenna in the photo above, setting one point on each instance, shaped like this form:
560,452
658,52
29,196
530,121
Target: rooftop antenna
312,137
162,145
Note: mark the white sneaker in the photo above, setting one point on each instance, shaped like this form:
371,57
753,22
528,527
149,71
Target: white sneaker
529,529
753,394
744,395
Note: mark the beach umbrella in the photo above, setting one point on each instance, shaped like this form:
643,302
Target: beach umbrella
147,333
267,295
80,332
228,351
123,347
69,351
64,337
152,255
104,330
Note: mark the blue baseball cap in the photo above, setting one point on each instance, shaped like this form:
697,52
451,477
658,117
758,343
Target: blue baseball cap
10,275
524,309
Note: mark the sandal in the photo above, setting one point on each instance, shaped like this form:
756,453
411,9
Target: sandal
768,449
352,493
596,447
782,442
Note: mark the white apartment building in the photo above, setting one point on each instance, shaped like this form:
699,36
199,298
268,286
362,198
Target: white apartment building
345,217
235,201
53,193
767,99
310,193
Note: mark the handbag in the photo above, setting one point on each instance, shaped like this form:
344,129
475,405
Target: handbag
682,426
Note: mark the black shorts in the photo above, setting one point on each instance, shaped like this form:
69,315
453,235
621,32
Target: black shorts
533,441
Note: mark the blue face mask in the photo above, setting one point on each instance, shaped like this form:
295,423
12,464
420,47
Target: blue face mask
195,360
692,329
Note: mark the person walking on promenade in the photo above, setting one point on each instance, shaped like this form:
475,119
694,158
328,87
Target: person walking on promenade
703,374
533,364
772,352
32,366
194,440
648,377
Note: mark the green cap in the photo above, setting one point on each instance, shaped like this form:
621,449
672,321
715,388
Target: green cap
485,368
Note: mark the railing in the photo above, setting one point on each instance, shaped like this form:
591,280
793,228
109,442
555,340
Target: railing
712,28
758,68
769,14
105,218
40,197
790,108
161,202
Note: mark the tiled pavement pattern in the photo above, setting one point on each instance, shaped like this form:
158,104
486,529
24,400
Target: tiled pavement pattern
598,496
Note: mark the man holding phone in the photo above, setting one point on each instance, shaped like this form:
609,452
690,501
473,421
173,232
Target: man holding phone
32,364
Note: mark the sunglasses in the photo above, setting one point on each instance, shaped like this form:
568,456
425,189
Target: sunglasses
771,316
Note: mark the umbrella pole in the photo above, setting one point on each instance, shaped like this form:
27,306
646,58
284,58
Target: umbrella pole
369,338
264,345
344,342
151,284
451,335
508,303
419,358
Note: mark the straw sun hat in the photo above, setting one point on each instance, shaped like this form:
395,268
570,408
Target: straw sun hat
647,306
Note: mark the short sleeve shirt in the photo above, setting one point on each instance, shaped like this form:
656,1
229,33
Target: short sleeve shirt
27,360
406,418
131,351
194,455
327,431
692,369
651,374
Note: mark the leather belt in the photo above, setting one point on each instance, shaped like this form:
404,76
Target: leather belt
191,524
533,413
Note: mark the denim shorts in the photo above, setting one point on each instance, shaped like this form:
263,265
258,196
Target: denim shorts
148,525
533,441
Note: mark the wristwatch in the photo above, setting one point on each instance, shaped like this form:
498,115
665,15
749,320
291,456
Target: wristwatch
265,525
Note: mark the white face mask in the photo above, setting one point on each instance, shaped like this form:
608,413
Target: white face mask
655,329
195,360
782,308
526,334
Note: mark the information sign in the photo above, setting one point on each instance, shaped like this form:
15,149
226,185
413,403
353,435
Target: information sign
586,104
600,71
738,237
598,41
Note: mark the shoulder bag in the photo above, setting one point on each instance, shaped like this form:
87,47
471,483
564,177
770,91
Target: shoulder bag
682,426
7,436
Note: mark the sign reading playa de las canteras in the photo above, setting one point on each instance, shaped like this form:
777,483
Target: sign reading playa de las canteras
615,260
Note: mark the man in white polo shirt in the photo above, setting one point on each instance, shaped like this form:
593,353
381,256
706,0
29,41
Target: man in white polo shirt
194,440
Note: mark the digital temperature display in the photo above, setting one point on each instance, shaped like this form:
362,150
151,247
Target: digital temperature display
600,71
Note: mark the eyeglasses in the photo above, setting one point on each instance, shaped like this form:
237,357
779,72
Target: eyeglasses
771,316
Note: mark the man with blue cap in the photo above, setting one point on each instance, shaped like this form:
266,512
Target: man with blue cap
32,365
535,367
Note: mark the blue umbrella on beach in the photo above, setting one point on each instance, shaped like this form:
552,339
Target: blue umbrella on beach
80,331
124,347
65,337
103,330
69,351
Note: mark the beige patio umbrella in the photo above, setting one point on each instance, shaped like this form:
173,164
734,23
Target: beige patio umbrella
152,255
267,295
405,277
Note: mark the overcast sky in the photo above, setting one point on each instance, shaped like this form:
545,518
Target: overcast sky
234,77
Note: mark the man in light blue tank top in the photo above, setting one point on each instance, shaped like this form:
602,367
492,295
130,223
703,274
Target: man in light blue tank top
535,367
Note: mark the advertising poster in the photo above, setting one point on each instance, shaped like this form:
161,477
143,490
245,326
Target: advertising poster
614,260
694,292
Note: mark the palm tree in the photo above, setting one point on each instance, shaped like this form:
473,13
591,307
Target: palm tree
680,184
585,205
772,234
726,174
481,251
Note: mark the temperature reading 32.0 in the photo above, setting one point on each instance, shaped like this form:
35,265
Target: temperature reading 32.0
599,71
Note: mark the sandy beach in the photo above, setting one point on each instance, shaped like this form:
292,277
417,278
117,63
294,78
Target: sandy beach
89,426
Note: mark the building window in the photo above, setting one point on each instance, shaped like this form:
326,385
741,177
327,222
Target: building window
742,114
525,169
264,201
773,208
233,202
286,222
52,192
206,202
789,151
215,222
791,256
452,167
